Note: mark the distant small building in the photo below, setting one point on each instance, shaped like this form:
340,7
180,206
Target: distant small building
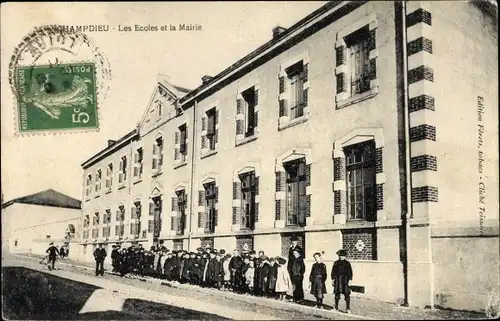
31,222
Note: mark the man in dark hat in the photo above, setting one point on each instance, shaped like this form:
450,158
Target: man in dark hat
99,255
294,247
53,253
341,279
114,258
235,266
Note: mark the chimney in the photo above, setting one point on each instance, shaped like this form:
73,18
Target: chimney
277,31
206,79
111,142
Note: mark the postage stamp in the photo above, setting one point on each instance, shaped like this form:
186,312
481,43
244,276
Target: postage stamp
57,97
59,79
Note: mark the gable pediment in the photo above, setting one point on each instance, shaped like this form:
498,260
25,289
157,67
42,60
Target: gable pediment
164,97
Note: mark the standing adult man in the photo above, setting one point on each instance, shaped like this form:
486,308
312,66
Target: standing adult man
99,255
235,266
297,270
53,253
294,247
341,279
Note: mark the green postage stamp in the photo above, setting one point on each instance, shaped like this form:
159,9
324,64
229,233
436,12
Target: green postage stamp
57,97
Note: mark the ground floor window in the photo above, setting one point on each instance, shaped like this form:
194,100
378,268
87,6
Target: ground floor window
296,198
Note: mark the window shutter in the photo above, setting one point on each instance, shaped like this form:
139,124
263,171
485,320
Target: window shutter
177,134
256,97
216,194
201,198
373,69
176,153
200,225
305,97
308,175
341,56
308,206
235,215
236,190
134,213
151,225
239,127
132,227
280,181
256,118
204,143
283,107
342,82
216,217
185,200
282,84
172,223
305,75
174,204
116,230
256,213
278,210
216,136
256,185
203,123
151,209
371,40
217,116
118,215
239,106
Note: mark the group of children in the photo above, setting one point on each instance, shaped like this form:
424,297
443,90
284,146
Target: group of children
248,273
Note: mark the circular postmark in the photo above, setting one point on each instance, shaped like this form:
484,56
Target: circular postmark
58,77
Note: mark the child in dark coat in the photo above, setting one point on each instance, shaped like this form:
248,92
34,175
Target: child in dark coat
317,279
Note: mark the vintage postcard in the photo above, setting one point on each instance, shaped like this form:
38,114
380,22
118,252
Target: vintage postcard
227,160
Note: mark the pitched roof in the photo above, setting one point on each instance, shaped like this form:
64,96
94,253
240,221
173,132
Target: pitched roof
47,198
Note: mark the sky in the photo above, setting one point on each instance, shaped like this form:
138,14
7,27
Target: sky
230,30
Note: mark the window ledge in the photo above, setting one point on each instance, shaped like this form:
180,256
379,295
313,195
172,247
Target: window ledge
108,191
97,196
121,186
87,199
137,180
178,165
157,173
358,224
246,140
357,98
293,122
209,153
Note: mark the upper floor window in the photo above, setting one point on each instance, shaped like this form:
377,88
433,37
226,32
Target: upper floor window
158,154
86,221
295,74
122,173
361,180
181,200
359,60
88,185
210,210
249,99
96,219
248,192
296,198
181,149
107,216
211,128
138,163
109,176
98,181
160,108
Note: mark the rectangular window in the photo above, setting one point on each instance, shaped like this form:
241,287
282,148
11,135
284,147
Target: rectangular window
359,60
361,180
211,128
181,214
295,74
248,200
158,154
96,219
86,221
296,205
107,217
138,163
122,173
157,211
183,143
210,198
98,181
109,176
88,185
249,98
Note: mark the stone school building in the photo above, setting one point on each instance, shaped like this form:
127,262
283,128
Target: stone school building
355,128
